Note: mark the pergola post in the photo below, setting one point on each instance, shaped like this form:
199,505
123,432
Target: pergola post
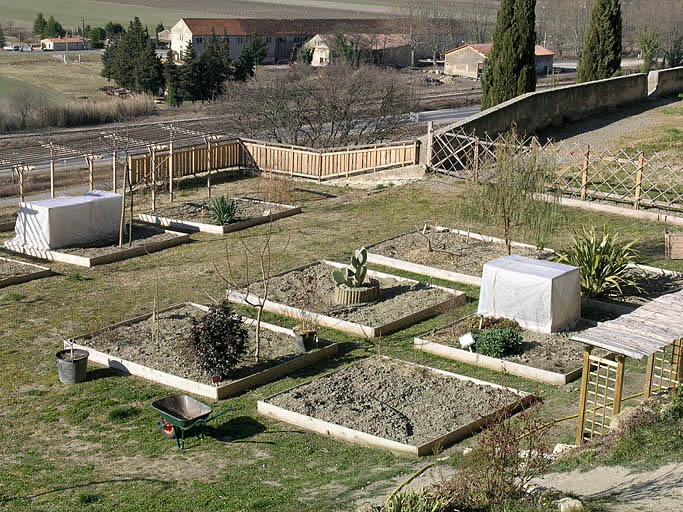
677,362
208,166
170,170
154,177
584,393
618,385
113,172
648,376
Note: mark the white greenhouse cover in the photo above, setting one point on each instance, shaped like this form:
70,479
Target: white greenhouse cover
541,296
68,221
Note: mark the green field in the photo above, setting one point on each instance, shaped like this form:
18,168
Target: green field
9,86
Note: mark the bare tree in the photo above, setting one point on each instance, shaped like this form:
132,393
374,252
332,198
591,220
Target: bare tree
479,26
662,24
264,258
324,107
561,24
24,102
411,23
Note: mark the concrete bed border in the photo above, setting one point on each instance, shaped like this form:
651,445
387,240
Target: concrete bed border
346,325
192,226
494,363
206,390
339,432
23,278
85,261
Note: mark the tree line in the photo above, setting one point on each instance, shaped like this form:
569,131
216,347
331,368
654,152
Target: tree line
131,61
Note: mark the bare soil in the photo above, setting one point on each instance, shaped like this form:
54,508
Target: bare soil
11,268
450,251
200,210
142,235
168,353
397,299
555,352
391,399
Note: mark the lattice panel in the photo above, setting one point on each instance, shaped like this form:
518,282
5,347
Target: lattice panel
602,395
667,367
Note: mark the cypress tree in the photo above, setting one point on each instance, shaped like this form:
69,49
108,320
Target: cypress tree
601,56
252,55
174,96
191,75
39,25
2,37
53,28
510,69
215,68
149,72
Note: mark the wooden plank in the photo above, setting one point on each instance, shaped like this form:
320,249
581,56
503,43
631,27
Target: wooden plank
424,270
673,246
36,273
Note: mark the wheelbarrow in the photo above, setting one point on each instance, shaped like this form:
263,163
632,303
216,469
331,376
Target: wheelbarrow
182,413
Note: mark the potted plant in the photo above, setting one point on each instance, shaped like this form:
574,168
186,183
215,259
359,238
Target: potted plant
351,286
306,331
72,364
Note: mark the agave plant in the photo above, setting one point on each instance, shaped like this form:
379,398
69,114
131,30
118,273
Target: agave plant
604,262
223,210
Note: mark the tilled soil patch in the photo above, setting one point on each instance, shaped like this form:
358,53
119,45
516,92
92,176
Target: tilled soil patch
168,353
200,210
397,299
391,399
10,268
450,251
554,352
142,235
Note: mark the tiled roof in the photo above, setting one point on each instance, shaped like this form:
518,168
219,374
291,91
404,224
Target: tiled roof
485,49
282,27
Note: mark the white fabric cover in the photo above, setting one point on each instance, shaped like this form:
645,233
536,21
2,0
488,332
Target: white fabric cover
541,296
68,221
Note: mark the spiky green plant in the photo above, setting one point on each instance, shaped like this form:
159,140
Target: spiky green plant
354,274
603,262
415,501
223,210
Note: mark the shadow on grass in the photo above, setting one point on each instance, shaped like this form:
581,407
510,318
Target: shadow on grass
81,486
103,373
236,430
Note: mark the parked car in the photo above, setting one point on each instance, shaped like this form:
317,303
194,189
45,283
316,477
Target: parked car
12,48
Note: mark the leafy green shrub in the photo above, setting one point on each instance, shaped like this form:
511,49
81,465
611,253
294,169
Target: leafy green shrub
223,210
498,342
411,501
674,411
219,340
603,262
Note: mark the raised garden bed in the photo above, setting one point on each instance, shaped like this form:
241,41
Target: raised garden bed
131,347
459,256
146,239
401,303
196,215
456,255
548,358
15,272
390,404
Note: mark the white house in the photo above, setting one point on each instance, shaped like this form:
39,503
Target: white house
62,43
385,49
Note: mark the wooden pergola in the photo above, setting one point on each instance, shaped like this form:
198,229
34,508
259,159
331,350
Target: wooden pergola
654,330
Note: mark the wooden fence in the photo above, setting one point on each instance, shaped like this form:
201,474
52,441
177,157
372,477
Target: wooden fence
283,159
580,171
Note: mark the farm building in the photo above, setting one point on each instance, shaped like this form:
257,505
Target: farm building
384,49
468,60
62,43
279,35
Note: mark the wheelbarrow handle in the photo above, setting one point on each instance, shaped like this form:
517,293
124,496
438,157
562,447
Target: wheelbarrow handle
211,418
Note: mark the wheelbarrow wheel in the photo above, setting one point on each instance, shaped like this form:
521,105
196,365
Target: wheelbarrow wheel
166,429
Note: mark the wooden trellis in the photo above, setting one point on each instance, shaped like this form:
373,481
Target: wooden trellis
654,330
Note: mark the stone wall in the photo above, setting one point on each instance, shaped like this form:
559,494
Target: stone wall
665,82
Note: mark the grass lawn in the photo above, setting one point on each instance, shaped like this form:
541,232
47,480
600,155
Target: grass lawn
9,86
666,138
95,446
46,72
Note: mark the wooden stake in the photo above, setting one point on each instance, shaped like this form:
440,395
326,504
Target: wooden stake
430,144
154,178
52,177
20,172
639,181
584,393
123,204
91,177
648,376
584,174
170,171
475,167
113,174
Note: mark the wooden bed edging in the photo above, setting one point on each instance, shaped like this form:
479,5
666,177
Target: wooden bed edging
192,226
357,437
206,390
346,325
85,261
8,226
23,278
496,364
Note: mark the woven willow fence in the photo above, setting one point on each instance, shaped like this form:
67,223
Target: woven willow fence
581,172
